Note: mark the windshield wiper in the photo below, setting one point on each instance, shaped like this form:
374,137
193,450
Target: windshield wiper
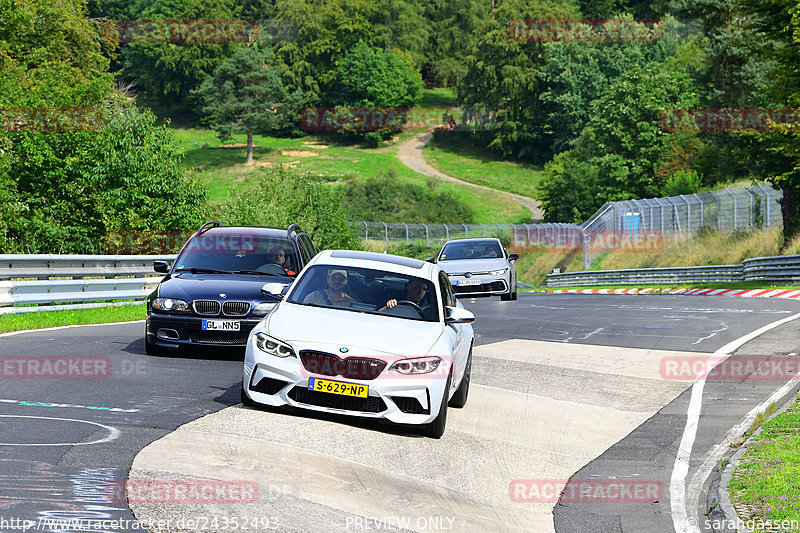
259,273
200,270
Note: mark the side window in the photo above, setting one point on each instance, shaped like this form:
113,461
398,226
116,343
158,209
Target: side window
304,253
448,297
312,251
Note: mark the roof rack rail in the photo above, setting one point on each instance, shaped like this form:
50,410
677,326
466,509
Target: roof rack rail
207,226
291,227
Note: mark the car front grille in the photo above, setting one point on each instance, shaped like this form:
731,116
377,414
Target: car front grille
370,404
494,286
328,364
206,307
410,405
219,337
235,308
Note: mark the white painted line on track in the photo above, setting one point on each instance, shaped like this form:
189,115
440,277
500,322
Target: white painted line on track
678,497
113,433
10,333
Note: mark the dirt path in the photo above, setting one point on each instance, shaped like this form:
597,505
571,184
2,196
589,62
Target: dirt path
410,153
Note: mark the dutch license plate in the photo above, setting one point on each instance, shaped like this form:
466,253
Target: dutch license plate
464,282
221,325
338,387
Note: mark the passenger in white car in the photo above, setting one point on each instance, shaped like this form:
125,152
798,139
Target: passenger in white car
333,295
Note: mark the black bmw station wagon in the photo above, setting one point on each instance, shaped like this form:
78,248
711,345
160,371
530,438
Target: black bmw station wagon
211,295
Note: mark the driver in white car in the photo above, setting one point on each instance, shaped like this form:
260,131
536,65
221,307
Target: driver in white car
334,295
415,292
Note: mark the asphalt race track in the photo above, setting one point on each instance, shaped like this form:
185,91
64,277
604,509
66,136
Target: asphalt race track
564,386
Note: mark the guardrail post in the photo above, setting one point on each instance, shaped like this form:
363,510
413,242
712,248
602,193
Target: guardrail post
427,237
484,230
466,231
366,232
406,226
446,232
386,233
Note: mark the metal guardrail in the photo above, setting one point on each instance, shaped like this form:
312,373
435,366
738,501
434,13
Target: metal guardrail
781,269
44,280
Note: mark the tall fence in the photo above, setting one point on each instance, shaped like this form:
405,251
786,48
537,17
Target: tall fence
728,210
616,223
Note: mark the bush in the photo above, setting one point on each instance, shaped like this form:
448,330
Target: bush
385,199
682,182
285,196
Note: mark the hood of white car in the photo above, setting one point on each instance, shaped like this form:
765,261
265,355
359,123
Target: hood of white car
473,265
326,329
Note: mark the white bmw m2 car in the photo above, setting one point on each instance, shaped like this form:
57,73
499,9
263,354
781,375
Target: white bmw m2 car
363,334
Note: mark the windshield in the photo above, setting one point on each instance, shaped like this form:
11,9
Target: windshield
239,252
471,250
368,291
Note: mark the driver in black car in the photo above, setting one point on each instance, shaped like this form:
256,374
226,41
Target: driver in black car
415,292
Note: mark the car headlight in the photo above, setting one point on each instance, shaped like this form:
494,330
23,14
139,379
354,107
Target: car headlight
498,272
273,346
263,308
422,365
170,305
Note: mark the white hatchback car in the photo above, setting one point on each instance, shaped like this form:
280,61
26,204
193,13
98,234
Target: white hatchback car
364,334
479,267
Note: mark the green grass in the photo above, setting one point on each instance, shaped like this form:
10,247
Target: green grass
766,479
475,165
437,98
222,169
48,319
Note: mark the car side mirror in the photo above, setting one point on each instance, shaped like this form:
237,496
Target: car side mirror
459,315
161,266
431,260
276,290
513,257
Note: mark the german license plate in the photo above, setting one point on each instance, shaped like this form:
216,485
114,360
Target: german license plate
221,325
338,387
465,282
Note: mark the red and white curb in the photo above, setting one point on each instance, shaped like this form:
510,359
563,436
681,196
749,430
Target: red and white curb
742,293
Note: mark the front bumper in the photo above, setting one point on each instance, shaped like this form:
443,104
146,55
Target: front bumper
399,398
486,286
172,331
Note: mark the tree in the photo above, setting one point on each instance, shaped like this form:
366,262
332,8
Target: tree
247,95
502,78
576,74
776,24
453,26
325,30
168,71
623,142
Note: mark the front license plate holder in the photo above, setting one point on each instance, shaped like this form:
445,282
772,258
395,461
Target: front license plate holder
338,387
221,325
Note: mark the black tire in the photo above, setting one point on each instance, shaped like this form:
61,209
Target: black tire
435,429
506,297
459,399
246,401
514,295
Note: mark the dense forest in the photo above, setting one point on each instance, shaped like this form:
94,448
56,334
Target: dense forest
591,112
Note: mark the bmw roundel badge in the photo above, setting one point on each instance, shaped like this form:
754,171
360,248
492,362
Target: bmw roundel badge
343,349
